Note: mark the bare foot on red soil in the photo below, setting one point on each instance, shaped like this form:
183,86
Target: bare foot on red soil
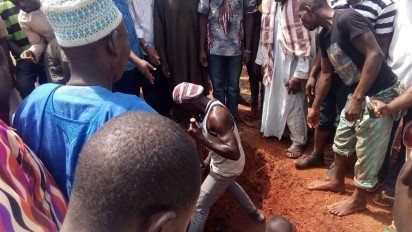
348,206
326,186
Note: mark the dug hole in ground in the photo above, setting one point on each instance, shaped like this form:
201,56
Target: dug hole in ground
276,187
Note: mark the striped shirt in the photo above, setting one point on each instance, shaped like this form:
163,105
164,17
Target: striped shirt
381,13
29,198
123,7
10,13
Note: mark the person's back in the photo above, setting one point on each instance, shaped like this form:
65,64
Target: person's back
57,120
139,172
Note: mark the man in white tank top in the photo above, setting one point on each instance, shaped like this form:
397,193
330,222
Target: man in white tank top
219,134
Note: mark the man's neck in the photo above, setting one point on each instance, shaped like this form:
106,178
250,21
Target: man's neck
353,3
326,17
88,76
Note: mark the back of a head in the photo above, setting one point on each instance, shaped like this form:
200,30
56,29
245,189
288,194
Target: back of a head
313,4
90,32
136,165
278,224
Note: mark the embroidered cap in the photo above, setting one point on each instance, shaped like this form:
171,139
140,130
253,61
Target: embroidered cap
185,91
80,22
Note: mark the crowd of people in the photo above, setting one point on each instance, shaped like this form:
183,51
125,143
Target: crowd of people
116,113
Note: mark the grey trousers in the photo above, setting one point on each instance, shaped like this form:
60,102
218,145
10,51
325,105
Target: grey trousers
212,188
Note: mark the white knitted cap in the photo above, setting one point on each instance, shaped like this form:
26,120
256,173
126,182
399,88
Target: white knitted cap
80,22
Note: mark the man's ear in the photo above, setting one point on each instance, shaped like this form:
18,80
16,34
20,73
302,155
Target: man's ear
158,221
113,48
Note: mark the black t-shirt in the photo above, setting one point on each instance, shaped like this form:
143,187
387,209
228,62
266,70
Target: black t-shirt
347,61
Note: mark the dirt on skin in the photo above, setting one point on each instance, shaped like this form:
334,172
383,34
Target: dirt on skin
276,187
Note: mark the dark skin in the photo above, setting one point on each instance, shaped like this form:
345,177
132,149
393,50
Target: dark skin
367,45
383,41
27,5
110,54
380,109
402,209
220,122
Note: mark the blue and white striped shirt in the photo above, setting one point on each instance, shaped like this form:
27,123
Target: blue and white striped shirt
381,13
127,18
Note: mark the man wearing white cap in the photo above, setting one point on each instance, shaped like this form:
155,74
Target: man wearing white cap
55,120
219,134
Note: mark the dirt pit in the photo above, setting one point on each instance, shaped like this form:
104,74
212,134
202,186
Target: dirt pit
276,187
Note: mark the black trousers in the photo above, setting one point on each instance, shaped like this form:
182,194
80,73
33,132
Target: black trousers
26,75
157,95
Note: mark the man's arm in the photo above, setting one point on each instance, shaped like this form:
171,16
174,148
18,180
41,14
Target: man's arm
38,44
202,39
248,37
143,66
316,68
385,43
380,109
322,91
367,45
225,144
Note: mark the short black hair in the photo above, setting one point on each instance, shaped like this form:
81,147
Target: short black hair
136,165
313,4
278,224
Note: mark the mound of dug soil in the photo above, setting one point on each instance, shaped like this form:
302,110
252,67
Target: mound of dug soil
276,187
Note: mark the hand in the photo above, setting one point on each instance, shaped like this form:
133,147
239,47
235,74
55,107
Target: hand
293,85
353,110
203,59
165,70
195,131
145,68
153,56
246,58
378,109
313,117
28,55
310,88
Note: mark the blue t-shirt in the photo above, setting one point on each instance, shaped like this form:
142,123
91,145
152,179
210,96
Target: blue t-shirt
55,121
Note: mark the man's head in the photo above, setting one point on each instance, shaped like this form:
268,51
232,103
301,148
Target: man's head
308,12
402,209
90,32
27,5
278,224
139,172
189,95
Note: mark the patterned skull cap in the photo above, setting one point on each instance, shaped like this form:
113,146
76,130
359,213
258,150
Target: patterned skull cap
80,22
185,91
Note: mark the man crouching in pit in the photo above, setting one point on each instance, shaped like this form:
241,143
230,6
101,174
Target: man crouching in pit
218,133
349,48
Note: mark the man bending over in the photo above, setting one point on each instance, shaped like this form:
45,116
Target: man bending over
349,47
218,133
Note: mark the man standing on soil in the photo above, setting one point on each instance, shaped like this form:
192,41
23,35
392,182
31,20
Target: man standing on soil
284,53
226,29
218,133
349,46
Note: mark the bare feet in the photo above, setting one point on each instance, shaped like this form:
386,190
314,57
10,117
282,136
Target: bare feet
348,206
326,186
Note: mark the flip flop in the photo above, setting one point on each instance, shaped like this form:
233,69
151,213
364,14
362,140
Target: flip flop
383,199
294,151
